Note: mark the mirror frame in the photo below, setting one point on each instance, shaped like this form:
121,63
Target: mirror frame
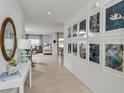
5,55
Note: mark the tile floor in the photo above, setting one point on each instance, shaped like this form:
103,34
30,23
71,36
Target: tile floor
50,77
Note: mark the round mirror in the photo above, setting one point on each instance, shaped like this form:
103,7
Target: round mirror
8,39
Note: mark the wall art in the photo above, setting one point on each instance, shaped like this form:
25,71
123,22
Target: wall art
69,48
82,28
95,23
115,16
75,32
82,50
75,49
69,32
94,53
114,56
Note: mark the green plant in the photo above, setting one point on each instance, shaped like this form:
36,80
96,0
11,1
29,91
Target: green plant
13,62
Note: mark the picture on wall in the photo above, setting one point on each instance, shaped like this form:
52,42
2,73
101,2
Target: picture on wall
94,54
69,48
114,56
82,50
94,23
75,49
82,28
75,30
115,16
69,32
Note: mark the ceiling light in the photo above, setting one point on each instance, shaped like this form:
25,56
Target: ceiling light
97,4
49,13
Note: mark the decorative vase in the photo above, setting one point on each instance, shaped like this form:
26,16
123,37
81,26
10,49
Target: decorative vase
11,69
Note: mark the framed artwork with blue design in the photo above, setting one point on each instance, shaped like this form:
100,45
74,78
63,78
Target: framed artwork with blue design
113,56
95,23
94,52
114,18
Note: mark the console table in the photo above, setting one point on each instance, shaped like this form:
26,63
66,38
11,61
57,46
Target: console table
24,69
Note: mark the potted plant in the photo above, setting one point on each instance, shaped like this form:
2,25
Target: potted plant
12,66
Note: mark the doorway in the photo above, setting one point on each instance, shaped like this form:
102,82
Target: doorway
60,47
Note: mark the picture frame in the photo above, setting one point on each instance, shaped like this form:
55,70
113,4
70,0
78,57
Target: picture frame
113,15
83,50
83,28
113,56
74,45
75,30
69,32
95,23
94,52
69,48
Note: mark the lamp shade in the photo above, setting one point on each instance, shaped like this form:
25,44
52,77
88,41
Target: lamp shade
24,44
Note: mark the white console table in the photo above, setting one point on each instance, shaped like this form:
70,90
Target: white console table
24,69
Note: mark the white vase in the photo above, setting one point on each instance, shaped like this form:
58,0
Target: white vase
12,69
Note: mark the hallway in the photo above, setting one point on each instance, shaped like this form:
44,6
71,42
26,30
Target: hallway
50,77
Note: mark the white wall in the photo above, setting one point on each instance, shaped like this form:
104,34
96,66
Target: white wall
54,45
11,8
96,79
40,28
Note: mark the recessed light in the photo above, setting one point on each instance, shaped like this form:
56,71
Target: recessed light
49,13
97,4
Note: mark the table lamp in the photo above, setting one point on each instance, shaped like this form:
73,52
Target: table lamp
23,45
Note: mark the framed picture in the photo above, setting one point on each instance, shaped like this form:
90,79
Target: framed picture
114,18
75,30
83,50
75,49
83,28
94,53
114,56
69,48
69,32
95,23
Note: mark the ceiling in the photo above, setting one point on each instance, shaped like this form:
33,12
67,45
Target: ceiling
36,10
